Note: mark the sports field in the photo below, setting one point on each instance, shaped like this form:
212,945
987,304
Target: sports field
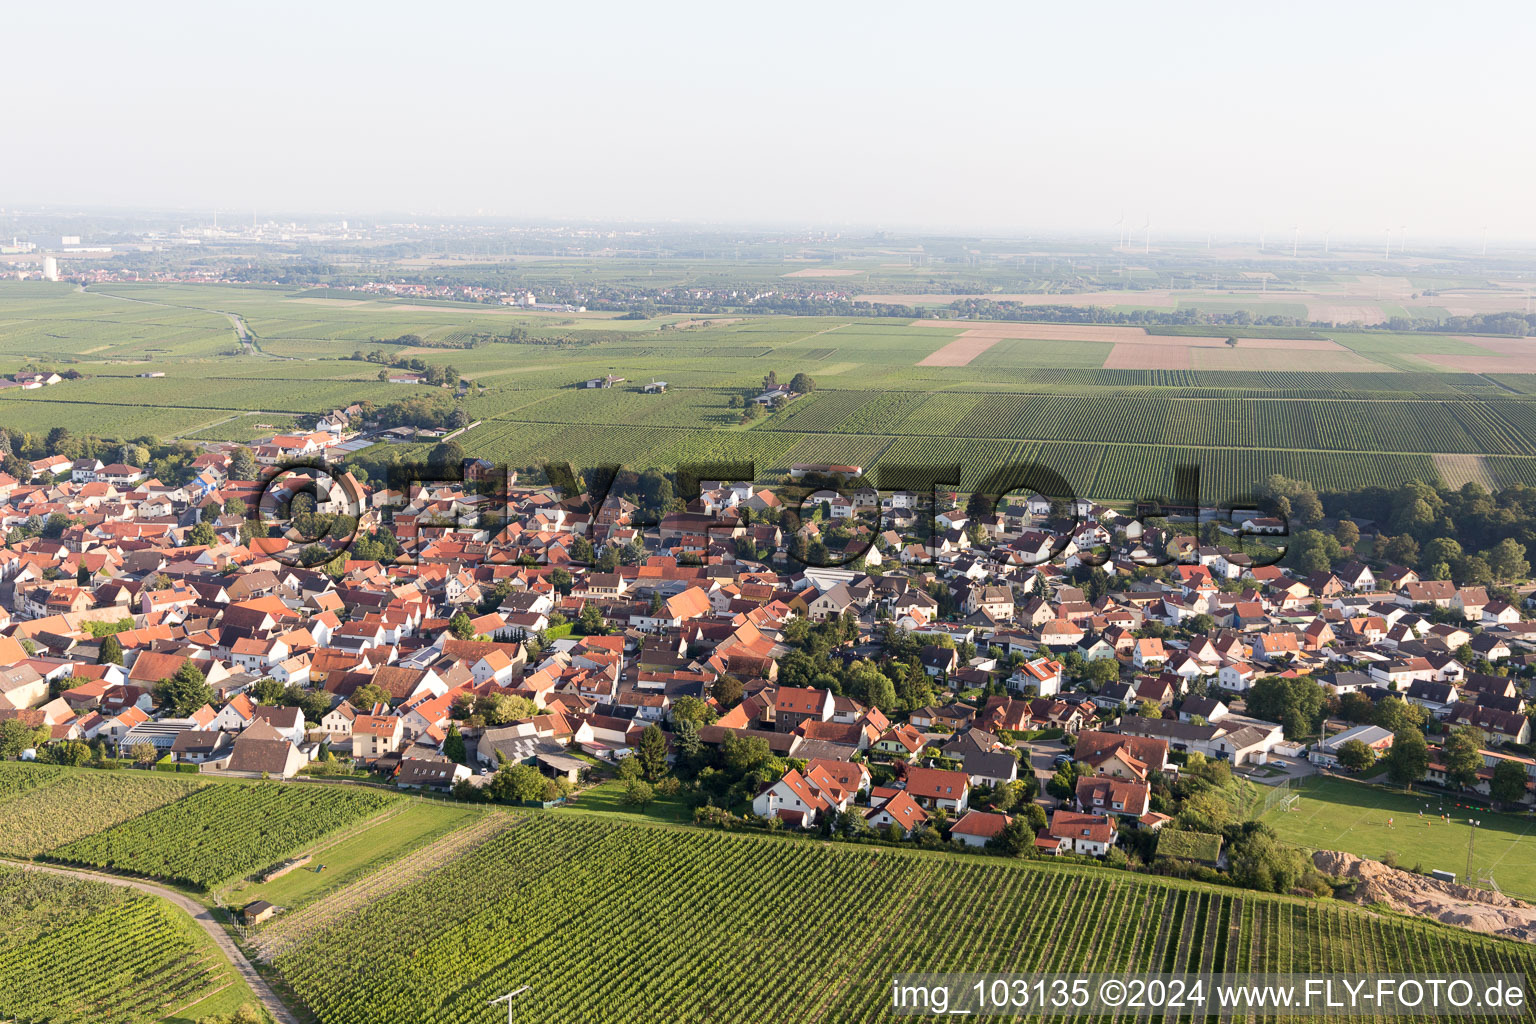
1370,820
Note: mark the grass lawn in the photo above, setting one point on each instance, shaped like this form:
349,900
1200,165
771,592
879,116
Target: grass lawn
223,1002
608,798
1336,814
419,823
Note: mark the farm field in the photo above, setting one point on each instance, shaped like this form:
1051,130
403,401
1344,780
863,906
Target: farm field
223,831
551,903
1111,408
42,806
356,853
76,950
1337,814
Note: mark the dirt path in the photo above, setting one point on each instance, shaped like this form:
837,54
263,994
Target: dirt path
204,917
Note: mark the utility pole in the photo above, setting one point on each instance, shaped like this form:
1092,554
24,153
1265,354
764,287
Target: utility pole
508,998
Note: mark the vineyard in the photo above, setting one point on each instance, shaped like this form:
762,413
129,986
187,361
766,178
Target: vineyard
223,831
735,928
61,805
79,952
1113,434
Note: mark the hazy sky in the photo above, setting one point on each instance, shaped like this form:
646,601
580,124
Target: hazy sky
1229,117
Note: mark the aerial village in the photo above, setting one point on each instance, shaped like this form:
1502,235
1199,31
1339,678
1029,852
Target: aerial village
1041,672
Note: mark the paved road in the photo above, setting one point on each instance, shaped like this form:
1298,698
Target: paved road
1039,754
203,916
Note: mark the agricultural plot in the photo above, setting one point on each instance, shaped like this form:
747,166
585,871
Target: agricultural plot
550,903
1375,822
72,803
1510,471
74,950
223,831
354,853
17,778
1110,429
109,421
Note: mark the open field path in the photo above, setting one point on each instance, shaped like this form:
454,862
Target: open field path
199,913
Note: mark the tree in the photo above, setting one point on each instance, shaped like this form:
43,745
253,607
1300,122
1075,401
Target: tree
638,793
1014,840
802,383
313,704
75,753
1463,760
184,692
1298,704
1063,785
1508,783
590,621
1408,759
143,753
504,709
369,694
202,534
693,709
1259,861
1400,550
1347,533
651,753
453,746
741,754
242,465
727,690
16,736
446,455
1397,715
1356,707
1103,671
461,626
1507,561
516,783
1356,755
111,652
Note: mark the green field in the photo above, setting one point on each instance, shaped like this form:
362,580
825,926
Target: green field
83,951
339,862
619,922
1376,414
1336,814
224,831
42,807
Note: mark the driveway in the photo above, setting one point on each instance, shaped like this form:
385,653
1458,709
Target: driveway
1039,754
199,913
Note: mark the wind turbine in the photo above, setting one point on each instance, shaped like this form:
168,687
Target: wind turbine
1295,239
1120,228
1146,245
1402,240
1389,243
1326,232
1485,239
1261,240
